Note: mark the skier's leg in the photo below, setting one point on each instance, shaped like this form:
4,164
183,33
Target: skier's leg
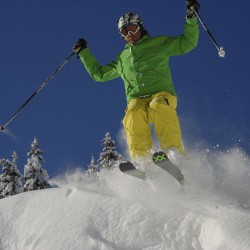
163,115
137,128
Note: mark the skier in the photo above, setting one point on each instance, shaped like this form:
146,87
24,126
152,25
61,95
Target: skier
144,67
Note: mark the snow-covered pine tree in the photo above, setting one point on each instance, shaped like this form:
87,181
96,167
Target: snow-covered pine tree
11,178
93,167
109,156
35,176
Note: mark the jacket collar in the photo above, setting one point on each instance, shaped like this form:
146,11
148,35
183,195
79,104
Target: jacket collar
128,45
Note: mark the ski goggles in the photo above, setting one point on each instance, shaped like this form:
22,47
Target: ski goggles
131,28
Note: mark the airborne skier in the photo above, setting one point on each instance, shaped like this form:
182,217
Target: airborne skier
144,67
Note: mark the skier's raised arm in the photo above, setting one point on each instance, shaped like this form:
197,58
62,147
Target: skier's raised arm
97,72
188,40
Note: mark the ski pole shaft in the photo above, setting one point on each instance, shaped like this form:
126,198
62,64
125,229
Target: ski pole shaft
38,89
221,52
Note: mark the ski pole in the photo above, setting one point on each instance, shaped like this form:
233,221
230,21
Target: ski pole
38,89
221,51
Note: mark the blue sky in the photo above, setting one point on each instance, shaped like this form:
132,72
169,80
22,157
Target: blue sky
72,113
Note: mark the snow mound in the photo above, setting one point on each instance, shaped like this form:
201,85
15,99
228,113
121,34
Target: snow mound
114,211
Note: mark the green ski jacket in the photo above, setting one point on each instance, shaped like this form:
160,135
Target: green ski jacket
144,67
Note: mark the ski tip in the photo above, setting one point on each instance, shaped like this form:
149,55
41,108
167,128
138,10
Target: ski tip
159,157
126,166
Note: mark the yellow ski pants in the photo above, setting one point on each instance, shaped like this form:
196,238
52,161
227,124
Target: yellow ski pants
159,109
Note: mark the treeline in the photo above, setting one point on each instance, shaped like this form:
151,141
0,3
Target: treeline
35,177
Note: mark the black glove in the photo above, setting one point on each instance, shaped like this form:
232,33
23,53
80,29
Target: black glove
192,4
80,45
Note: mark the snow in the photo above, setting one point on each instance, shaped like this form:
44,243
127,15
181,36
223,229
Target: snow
114,211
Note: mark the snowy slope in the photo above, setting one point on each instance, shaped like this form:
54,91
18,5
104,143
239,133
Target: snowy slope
119,212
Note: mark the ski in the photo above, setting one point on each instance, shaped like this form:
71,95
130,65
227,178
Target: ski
128,168
162,161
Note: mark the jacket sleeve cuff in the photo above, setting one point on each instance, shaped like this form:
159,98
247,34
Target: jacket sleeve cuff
84,52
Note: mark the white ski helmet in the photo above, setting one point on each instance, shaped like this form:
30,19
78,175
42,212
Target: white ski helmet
129,18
